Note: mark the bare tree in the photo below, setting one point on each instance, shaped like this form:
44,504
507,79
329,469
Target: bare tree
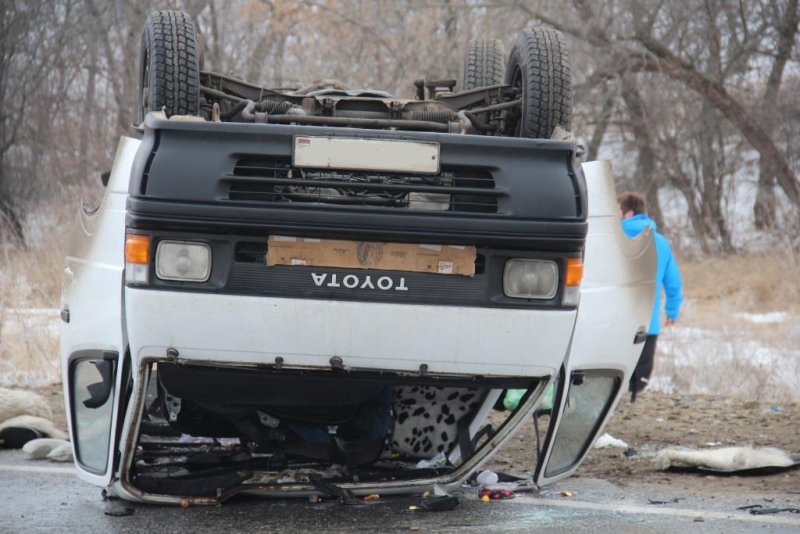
33,36
691,91
786,23
715,49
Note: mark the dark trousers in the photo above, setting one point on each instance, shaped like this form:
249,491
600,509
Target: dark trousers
641,375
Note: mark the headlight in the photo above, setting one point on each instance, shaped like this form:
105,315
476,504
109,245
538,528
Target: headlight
183,260
530,279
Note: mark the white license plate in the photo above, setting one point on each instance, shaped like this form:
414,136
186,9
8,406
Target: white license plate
366,154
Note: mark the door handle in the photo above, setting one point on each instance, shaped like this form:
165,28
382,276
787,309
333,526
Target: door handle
640,337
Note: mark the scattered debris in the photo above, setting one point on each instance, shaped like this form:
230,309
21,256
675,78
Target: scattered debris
439,460
438,490
673,500
749,507
606,440
487,478
119,512
441,503
727,461
343,494
373,497
567,493
505,481
630,452
699,520
757,509
496,494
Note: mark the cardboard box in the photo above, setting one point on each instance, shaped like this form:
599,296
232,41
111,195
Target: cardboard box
440,259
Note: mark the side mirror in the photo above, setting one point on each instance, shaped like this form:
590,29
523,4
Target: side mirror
99,392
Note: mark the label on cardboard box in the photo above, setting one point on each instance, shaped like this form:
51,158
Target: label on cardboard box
285,250
445,267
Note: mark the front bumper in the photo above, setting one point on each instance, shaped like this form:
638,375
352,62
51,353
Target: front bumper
307,333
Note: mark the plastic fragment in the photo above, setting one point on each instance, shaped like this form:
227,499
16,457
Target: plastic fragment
485,498
487,478
566,493
437,461
374,497
439,491
120,512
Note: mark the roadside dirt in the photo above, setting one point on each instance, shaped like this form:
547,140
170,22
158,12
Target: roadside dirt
656,421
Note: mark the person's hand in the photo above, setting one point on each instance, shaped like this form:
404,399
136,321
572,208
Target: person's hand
671,322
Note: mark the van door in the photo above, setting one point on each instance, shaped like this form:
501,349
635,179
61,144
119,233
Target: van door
616,302
93,339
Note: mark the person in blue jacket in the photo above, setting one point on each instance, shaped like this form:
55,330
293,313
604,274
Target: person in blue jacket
633,212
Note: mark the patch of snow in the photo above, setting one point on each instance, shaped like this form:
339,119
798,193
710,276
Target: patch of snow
763,318
725,362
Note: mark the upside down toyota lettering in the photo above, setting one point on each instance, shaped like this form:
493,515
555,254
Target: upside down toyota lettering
352,281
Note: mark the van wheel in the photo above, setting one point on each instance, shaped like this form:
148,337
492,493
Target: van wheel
484,63
539,67
169,73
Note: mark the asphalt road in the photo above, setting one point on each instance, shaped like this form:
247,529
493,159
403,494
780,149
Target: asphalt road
38,496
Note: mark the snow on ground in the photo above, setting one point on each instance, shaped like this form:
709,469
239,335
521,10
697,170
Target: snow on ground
764,318
727,362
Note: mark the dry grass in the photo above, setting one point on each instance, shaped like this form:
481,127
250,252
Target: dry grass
30,290
716,348
755,283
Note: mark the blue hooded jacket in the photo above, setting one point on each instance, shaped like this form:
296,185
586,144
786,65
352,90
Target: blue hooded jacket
668,277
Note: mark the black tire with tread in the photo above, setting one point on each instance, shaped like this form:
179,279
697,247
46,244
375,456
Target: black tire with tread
539,64
484,63
168,65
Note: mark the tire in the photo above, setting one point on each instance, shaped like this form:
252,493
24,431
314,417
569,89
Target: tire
484,63
539,65
169,72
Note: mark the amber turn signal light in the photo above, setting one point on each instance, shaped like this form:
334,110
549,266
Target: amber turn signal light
574,273
137,248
